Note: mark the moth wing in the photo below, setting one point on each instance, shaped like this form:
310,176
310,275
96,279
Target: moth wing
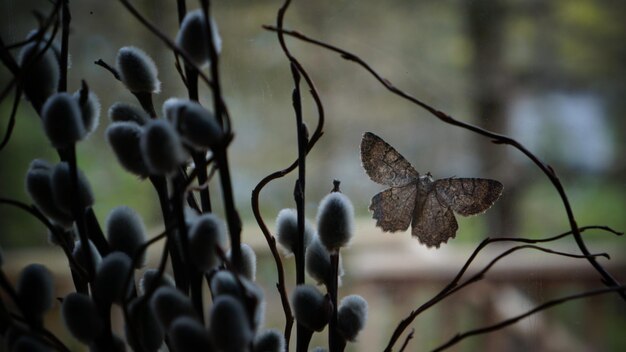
393,208
468,196
433,222
383,164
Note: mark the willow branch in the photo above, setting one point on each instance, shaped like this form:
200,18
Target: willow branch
74,265
66,18
408,338
11,124
487,329
271,240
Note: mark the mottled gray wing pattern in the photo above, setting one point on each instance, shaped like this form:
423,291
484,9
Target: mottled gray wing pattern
393,208
468,196
433,222
384,164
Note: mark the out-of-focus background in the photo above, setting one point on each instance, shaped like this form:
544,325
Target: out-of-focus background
551,74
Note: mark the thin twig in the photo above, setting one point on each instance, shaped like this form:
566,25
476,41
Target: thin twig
137,257
41,330
7,89
333,291
408,338
216,88
74,265
17,71
233,220
11,125
299,191
458,337
271,241
174,246
66,18
109,68
78,212
5,55
478,276
300,187
190,80
181,6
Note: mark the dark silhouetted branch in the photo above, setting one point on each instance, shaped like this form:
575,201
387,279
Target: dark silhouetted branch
458,337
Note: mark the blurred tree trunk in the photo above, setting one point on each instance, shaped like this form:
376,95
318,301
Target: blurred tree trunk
490,82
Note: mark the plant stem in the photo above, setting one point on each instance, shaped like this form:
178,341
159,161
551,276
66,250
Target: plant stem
194,277
299,191
145,99
232,217
65,34
174,245
181,6
95,232
333,337
198,157
303,338
78,211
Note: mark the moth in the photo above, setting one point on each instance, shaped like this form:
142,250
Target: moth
427,205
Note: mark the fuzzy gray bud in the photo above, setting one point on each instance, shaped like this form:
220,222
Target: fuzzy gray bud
230,328
63,190
168,303
41,74
125,233
171,107
351,316
192,37
248,262
287,230
125,112
205,236
335,221
142,324
161,147
110,283
317,263
89,110
35,290
39,188
151,277
137,70
81,318
196,125
270,340
189,335
79,256
224,282
124,138
311,308
62,120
